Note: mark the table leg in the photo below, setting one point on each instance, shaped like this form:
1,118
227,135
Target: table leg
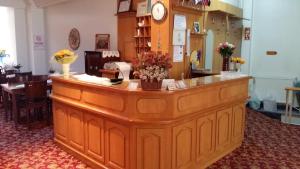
286,107
291,107
5,103
14,109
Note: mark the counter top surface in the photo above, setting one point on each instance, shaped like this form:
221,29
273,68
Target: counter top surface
190,83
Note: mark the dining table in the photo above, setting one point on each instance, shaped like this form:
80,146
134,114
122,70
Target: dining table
14,90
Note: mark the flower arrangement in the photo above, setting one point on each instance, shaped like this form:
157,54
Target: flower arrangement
226,49
152,66
65,56
2,53
237,60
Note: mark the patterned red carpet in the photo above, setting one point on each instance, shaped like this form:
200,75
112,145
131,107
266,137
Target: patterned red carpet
268,144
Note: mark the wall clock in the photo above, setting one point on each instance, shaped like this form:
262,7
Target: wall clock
159,11
74,39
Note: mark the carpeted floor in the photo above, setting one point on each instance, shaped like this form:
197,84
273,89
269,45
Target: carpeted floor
268,144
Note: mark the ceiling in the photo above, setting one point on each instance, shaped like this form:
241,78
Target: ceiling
45,3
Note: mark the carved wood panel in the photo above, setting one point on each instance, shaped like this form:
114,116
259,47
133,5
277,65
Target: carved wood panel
223,136
76,129
238,122
117,146
151,149
206,137
60,115
94,137
184,140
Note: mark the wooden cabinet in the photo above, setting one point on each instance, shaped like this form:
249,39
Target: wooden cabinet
151,149
117,146
94,137
184,141
92,62
75,128
206,137
238,123
223,135
60,116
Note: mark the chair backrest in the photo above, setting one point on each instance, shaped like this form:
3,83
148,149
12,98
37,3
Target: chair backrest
3,78
35,90
10,72
17,79
24,74
39,78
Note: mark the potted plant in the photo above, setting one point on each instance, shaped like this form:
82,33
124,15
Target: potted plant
152,67
65,58
225,50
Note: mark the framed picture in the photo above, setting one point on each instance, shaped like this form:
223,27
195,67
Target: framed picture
247,34
102,42
141,9
124,6
196,27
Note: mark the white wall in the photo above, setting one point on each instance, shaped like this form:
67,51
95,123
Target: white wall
275,27
89,17
236,3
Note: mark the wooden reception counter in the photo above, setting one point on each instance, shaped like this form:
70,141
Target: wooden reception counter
111,127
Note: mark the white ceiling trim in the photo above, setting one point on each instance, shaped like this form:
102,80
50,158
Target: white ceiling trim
46,3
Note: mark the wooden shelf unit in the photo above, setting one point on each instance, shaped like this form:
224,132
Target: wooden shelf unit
143,34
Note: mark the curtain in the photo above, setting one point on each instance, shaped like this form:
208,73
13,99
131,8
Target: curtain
7,35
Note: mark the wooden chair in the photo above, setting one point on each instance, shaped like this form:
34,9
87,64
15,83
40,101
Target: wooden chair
39,78
10,72
36,99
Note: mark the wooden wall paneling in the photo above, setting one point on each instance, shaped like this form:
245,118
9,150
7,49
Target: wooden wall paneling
238,122
151,149
60,116
117,146
223,130
94,137
196,41
76,129
184,145
126,33
206,137
216,21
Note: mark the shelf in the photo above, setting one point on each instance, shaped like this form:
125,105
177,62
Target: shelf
145,26
187,9
142,36
198,34
129,13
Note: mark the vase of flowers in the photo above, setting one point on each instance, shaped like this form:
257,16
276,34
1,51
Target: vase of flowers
237,62
65,58
152,68
225,50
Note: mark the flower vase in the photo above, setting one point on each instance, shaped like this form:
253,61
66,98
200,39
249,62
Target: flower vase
225,63
237,67
66,69
150,86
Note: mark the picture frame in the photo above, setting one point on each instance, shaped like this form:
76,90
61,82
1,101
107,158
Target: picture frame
196,27
124,6
102,42
142,9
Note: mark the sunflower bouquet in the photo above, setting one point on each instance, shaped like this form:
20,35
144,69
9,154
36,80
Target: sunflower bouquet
65,56
237,62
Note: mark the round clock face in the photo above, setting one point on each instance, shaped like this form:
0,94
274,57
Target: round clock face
158,11
74,39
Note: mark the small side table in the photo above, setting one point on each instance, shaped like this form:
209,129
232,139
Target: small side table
289,106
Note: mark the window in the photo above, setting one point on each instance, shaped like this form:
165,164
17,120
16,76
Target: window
7,35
